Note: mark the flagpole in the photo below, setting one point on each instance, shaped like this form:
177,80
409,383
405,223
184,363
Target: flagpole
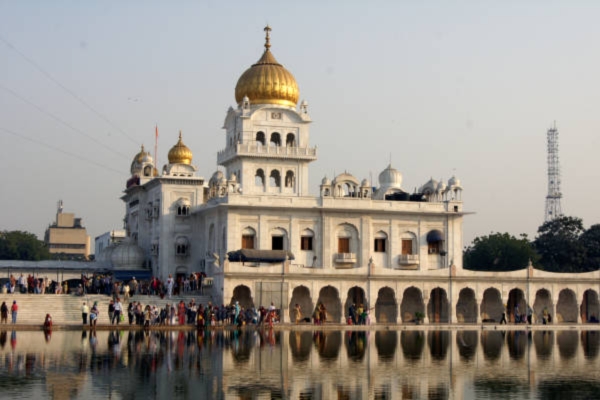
155,146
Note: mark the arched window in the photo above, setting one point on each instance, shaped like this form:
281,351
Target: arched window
306,240
260,138
248,235
290,140
259,178
380,242
275,179
275,139
289,179
278,239
182,246
183,210
148,170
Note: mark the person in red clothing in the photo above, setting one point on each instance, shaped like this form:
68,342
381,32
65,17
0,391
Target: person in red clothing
181,312
13,311
48,322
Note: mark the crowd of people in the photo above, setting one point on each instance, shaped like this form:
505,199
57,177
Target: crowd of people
181,313
101,283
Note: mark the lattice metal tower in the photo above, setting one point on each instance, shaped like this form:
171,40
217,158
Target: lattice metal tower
553,208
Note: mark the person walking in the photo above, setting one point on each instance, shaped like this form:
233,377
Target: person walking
85,310
13,310
111,311
94,315
118,311
4,313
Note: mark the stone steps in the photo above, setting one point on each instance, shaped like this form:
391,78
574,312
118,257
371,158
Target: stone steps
66,309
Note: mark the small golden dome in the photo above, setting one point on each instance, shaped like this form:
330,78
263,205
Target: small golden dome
180,153
143,157
267,81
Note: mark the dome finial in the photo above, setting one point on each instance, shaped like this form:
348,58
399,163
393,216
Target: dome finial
180,135
267,37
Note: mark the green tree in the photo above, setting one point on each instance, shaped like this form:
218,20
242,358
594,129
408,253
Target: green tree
559,246
590,239
499,252
19,245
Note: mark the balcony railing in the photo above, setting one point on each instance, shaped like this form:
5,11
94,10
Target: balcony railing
345,258
256,150
408,259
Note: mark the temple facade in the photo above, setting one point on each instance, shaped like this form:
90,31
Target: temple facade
260,237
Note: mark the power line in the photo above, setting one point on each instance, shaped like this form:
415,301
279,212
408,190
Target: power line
56,118
86,160
73,94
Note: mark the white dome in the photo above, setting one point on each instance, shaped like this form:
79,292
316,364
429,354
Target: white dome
390,178
127,255
325,181
454,181
365,182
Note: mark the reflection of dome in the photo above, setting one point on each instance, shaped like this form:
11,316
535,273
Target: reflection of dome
180,153
127,255
143,157
267,81
390,178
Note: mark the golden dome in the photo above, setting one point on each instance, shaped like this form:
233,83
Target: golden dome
267,81
180,153
143,157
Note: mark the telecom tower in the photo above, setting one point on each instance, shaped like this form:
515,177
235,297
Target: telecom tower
553,208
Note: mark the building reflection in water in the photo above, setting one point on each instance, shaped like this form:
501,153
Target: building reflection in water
320,364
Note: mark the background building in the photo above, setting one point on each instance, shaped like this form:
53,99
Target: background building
67,236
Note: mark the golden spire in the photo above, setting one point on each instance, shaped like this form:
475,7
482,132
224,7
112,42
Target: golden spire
267,37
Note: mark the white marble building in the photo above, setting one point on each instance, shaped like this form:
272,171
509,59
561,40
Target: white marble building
256,230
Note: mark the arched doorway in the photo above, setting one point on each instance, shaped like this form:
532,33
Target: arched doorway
437,308
329,297
301,296
243,294
491,306
412,302
543,302
356,296
589,307
566,307
386,308
516,306
466,307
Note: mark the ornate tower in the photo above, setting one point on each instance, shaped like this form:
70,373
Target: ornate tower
553,208
267,146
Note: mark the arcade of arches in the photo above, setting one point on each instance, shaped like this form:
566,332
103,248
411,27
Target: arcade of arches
435,306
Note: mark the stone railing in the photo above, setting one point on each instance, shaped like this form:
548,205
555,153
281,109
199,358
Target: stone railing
408,259
255,150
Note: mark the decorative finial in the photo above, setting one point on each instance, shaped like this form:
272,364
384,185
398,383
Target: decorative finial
267,37
180,134
142,148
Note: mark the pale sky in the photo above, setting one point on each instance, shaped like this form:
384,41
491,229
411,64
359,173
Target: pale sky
440,88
